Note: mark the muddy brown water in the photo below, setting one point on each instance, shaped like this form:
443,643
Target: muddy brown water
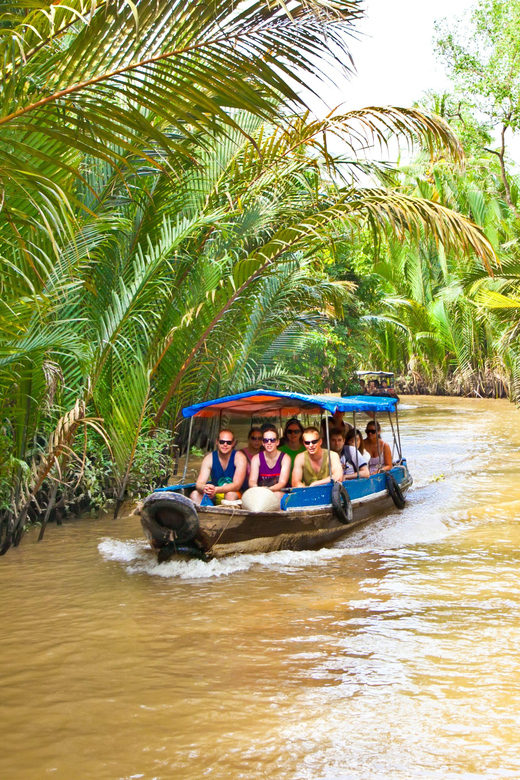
393,654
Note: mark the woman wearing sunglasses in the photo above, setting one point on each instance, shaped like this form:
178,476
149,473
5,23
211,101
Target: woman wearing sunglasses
254,445
378,450
271,467
292,440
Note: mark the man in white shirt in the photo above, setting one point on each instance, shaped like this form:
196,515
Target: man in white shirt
350,457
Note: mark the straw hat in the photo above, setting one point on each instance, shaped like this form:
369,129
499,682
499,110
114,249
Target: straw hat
260,499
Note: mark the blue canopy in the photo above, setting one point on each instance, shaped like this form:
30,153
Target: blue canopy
270,403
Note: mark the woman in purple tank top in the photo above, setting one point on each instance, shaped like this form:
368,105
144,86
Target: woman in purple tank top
270,468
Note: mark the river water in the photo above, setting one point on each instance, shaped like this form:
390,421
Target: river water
393,654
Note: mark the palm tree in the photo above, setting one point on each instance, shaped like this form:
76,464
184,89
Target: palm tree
94,91
437,322
160,195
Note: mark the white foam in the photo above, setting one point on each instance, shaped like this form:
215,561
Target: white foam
122,551
191,570
136,556
416,530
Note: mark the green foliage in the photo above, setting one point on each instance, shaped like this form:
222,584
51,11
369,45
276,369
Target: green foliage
330,355
482,56
483,60
93,478
173,229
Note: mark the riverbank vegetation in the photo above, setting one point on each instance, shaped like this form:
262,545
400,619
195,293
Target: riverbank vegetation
442,322
174,225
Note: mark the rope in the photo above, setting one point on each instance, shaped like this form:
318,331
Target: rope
172,536
224,529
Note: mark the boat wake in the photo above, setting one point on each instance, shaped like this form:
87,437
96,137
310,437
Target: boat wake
137,558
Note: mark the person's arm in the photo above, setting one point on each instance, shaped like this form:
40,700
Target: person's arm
284,474
355,456
204,474
238,476
363,472
255,468
297,472
387,457
337,468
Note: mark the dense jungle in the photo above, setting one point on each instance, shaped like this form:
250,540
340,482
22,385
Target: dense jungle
175,225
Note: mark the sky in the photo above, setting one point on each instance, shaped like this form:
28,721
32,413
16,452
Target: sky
395,61
394,54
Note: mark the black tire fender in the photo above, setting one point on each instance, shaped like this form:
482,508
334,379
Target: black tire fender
171,512
186,551
341,503
395,491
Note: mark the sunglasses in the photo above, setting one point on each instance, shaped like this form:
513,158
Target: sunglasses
371,430
293,430
312,441
255,438
268,441
225,441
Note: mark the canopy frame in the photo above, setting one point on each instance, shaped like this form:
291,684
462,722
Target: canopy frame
271,403
375,373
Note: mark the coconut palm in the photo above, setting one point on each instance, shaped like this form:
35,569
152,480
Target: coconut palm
123,85
439,322
141,253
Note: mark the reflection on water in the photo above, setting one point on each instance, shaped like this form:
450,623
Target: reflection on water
392,654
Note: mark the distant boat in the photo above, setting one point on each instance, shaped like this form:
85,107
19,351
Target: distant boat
309,517
380,376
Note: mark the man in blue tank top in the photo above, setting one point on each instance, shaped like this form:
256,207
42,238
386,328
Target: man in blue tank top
222,472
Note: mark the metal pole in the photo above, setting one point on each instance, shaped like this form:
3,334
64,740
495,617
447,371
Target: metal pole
214,424
398,433
355,443
394,443
377,440
187,451
328,446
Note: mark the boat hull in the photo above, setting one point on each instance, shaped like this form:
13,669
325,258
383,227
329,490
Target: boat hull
309,529
308,522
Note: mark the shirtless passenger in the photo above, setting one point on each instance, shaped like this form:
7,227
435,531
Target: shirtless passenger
336,421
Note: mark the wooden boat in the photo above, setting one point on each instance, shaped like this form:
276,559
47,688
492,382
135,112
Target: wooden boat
309,517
